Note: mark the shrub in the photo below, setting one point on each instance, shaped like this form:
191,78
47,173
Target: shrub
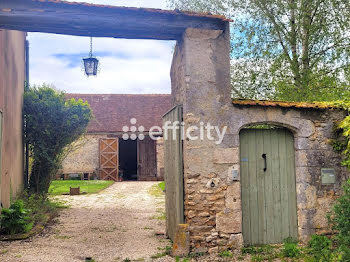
15,220
290,248
340,221
40,208
320,248
51,123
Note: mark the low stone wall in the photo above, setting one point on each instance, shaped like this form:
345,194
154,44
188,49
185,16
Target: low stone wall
214,213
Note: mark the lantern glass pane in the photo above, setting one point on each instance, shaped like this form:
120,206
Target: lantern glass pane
90,66
95,67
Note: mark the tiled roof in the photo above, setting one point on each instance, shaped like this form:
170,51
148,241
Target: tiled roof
112,112
316,105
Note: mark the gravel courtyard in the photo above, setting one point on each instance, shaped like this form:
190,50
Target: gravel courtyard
118,223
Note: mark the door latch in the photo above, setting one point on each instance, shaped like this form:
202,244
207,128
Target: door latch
265,162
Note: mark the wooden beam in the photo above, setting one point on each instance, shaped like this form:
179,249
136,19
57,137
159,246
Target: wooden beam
101,21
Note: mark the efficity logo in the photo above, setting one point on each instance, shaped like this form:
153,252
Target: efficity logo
172,130
133,136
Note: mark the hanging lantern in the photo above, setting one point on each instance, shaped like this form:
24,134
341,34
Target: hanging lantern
90,63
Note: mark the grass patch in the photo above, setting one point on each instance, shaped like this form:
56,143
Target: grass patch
160,214
59,187
162,185
262,253
166,251
289,251
226,253
156,190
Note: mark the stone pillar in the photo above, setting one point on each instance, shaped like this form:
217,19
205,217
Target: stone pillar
201,82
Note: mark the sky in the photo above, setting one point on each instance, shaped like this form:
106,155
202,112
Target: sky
126,66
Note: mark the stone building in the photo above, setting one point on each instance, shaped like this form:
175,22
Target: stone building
117,142
240,191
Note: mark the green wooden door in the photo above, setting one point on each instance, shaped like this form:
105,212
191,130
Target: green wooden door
269,207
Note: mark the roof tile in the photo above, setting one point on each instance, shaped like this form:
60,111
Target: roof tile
112,112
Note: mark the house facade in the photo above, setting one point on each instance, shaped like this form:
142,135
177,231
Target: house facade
117,145
256,185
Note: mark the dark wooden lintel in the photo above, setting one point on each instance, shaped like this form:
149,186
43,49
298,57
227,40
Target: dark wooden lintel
100,21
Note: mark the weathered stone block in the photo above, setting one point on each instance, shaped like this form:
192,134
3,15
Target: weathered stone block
306,128
195,175
302,143
222,242
302,175
324,205
236,241
213,250
191,214
209,238
301,158
226,155
311,197
181,244
204,214
233,197
305,218
215,197
229,221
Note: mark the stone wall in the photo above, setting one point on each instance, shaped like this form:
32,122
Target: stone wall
12,79
83,156
201,82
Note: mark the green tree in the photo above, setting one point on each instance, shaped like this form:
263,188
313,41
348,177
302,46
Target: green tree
52,123
286,49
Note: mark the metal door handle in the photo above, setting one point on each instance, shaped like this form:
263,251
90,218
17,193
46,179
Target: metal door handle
265,163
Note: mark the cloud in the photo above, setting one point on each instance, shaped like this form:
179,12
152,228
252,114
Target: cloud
127,66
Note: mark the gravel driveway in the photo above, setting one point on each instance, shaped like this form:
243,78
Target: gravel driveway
118,223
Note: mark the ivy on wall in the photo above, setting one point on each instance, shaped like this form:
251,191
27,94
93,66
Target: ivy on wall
342,131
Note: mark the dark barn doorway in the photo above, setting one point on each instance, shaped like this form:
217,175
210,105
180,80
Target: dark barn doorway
128,159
